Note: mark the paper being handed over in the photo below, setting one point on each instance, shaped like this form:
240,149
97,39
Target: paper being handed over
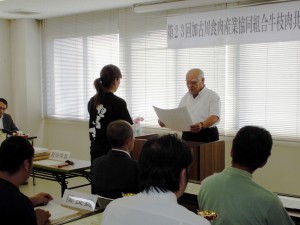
177,119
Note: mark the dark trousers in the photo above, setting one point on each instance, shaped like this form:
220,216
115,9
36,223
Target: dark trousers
207,135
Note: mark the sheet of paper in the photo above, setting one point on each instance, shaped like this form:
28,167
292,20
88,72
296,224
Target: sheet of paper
177,119
57,211
48,162
290,202
38,150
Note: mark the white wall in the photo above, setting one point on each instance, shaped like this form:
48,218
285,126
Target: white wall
69,136
280,174
21,85
26,76
5,61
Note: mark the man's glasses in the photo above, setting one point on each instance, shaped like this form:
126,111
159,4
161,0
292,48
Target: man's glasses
192,82
2,108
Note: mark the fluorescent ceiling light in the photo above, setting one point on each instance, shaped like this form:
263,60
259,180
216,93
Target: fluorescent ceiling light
167,5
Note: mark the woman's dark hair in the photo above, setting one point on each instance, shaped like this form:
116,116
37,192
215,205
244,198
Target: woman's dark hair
251,147
13,152
161,162
108,75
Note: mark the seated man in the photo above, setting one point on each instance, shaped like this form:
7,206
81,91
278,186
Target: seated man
16,155
6,121
233,195
116,173
163,167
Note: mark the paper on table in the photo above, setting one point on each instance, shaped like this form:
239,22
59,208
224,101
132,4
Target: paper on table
38,150
177,119
290,202
57,211
49,162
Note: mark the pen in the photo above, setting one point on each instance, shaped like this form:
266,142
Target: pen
63,165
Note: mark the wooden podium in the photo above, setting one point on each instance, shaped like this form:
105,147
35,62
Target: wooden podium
138,145
208,158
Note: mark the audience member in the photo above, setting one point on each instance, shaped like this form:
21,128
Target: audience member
116,173
163,177
233,195
16,155
105,107
6,121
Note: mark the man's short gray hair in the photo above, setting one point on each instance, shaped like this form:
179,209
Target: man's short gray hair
118,132
198,71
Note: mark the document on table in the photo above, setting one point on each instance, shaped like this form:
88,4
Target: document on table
48,162
290,202
38,150
177,119
57,211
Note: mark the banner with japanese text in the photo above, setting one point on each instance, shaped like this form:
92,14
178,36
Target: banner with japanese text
257,24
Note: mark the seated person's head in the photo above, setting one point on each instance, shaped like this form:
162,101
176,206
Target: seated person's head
251,147
2,100
120,133
15,152
3,106
163,165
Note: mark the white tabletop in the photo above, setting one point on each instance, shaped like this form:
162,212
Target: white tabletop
90,220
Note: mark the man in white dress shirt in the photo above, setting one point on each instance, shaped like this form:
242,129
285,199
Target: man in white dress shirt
163,177
204,107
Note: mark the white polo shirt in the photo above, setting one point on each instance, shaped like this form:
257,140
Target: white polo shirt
150,209
207,103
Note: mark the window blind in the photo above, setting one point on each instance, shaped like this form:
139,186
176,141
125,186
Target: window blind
258,83
76,48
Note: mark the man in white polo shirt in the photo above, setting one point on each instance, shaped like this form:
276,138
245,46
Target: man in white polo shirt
163,177
204,107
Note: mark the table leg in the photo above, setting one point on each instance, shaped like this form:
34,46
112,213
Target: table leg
33,177
61,179
63,184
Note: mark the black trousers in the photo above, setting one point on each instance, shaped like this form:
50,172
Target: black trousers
207,135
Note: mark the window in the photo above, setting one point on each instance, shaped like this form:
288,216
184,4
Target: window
268,88
74,54
259,84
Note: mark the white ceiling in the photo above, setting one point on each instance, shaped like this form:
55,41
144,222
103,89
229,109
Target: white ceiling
42,9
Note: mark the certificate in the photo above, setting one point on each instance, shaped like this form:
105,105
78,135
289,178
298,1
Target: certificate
177,119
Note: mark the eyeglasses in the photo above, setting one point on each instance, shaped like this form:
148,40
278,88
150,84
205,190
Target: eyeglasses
2,108
192,82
